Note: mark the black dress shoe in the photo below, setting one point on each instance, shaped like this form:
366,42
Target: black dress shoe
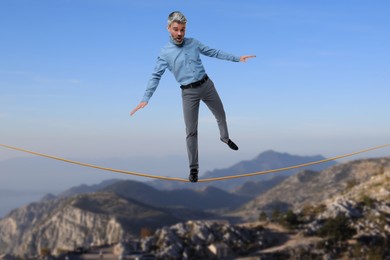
231,144
193,175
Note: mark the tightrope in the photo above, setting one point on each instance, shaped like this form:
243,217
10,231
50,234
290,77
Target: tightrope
200,180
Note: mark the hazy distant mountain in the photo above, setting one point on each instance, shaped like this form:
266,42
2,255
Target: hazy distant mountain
82,189
267,160
310,187
205,199
255,188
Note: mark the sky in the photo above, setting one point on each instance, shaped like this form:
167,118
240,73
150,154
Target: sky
72,70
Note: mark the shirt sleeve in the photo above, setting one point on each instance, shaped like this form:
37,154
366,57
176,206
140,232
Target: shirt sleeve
159,69
205,50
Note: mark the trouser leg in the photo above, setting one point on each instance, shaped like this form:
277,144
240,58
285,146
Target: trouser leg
190,98
211,98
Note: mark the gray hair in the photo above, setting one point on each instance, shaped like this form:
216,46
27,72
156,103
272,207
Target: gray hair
176,17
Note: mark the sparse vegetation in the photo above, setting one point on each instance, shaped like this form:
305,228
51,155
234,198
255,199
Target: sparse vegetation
290,220
351,183
337,229
370,248
263,216
311,211
367,201
276,215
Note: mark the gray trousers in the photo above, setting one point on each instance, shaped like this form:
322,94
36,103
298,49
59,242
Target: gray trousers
191,99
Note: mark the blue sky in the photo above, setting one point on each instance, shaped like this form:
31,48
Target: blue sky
71,71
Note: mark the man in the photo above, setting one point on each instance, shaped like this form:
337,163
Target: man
182,57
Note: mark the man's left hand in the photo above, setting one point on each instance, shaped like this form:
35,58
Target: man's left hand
244,58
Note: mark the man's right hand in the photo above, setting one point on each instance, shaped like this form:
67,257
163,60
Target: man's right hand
141,105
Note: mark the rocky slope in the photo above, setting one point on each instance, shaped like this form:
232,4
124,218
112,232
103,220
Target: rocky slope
366,203
352,222
67,223
355,223
310,187
195,240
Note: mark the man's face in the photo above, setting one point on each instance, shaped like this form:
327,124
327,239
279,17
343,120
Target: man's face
177,31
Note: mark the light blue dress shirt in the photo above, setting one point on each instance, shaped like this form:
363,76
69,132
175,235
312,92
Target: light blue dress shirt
184,62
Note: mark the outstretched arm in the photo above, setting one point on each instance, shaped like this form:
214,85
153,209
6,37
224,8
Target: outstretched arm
159,70
141,105
244,58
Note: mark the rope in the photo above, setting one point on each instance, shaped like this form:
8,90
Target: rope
200,180
93,166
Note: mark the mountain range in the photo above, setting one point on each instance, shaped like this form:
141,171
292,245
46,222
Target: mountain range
267,160
117,210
